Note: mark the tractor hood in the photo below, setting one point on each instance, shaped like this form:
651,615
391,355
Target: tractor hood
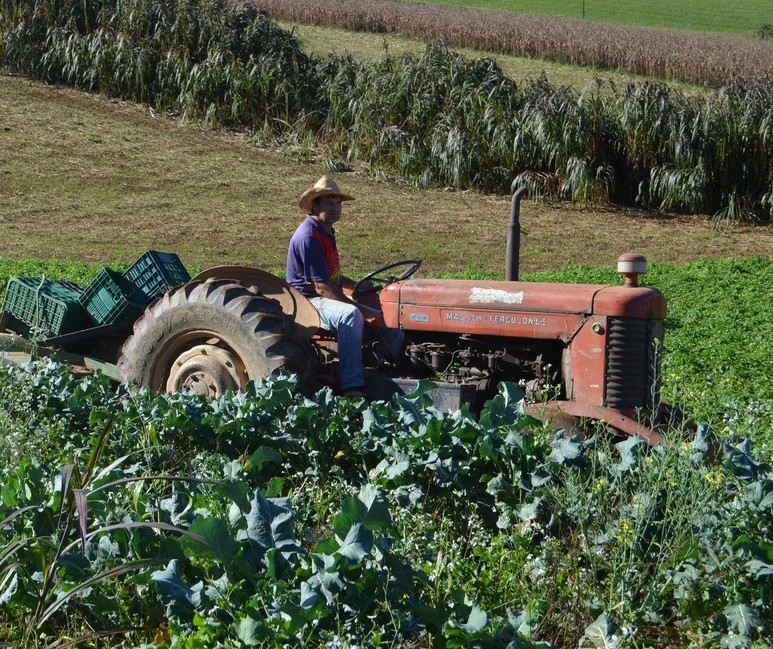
407,304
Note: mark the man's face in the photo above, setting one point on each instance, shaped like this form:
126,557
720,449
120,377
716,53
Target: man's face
327,209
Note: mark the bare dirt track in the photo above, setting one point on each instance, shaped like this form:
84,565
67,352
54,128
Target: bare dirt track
88,178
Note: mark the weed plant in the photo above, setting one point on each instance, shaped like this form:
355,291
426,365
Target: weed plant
297,521
433,120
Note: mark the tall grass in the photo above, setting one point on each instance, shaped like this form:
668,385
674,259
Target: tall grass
196,57
441,119
438,119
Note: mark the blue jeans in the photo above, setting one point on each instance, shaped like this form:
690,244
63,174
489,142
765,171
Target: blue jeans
348,322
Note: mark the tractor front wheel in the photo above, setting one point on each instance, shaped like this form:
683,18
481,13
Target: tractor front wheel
212,336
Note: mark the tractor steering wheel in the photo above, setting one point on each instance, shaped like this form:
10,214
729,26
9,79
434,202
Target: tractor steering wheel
380,282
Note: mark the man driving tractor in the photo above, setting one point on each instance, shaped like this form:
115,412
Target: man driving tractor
314,268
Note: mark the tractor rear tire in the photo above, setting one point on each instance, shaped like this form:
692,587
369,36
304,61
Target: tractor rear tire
212,336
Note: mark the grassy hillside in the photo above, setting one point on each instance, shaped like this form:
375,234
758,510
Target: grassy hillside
721,17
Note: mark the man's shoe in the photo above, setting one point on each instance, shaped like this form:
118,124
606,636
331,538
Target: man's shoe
354,393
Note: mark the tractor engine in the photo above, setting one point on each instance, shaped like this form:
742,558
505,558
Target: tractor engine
486,361
590,350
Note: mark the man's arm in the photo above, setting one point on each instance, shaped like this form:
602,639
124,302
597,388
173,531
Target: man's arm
349,283
328,290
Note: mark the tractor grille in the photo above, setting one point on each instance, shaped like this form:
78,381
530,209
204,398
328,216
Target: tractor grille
633,362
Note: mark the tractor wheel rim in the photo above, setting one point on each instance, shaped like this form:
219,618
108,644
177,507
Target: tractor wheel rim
208,370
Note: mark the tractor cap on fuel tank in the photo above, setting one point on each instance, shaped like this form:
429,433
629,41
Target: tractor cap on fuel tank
630,265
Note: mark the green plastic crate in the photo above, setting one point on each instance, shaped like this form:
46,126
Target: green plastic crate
107,298
153,273
44,306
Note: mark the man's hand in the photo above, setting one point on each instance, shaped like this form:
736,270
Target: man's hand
372,316
326,289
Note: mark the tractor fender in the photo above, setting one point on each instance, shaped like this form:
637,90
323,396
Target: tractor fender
294,304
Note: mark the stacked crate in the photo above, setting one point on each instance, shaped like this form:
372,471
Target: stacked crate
153,273
113,297
43,307
109,299
38,306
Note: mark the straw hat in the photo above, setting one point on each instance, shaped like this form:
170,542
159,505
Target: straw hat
323,187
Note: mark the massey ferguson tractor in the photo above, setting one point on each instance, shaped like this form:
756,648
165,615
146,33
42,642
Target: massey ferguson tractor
580,351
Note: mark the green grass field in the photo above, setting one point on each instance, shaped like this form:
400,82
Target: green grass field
742,18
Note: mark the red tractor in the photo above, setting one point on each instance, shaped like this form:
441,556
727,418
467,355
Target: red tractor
582,351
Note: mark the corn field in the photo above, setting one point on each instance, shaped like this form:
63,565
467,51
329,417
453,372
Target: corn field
666,54
195,57
439,119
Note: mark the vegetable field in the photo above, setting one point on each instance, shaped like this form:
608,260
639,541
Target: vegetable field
272,519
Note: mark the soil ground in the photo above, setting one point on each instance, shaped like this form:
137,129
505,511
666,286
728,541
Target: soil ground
89,178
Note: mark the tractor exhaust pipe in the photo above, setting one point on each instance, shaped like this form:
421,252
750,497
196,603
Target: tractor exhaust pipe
514,237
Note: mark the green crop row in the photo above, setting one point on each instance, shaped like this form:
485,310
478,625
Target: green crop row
434,120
